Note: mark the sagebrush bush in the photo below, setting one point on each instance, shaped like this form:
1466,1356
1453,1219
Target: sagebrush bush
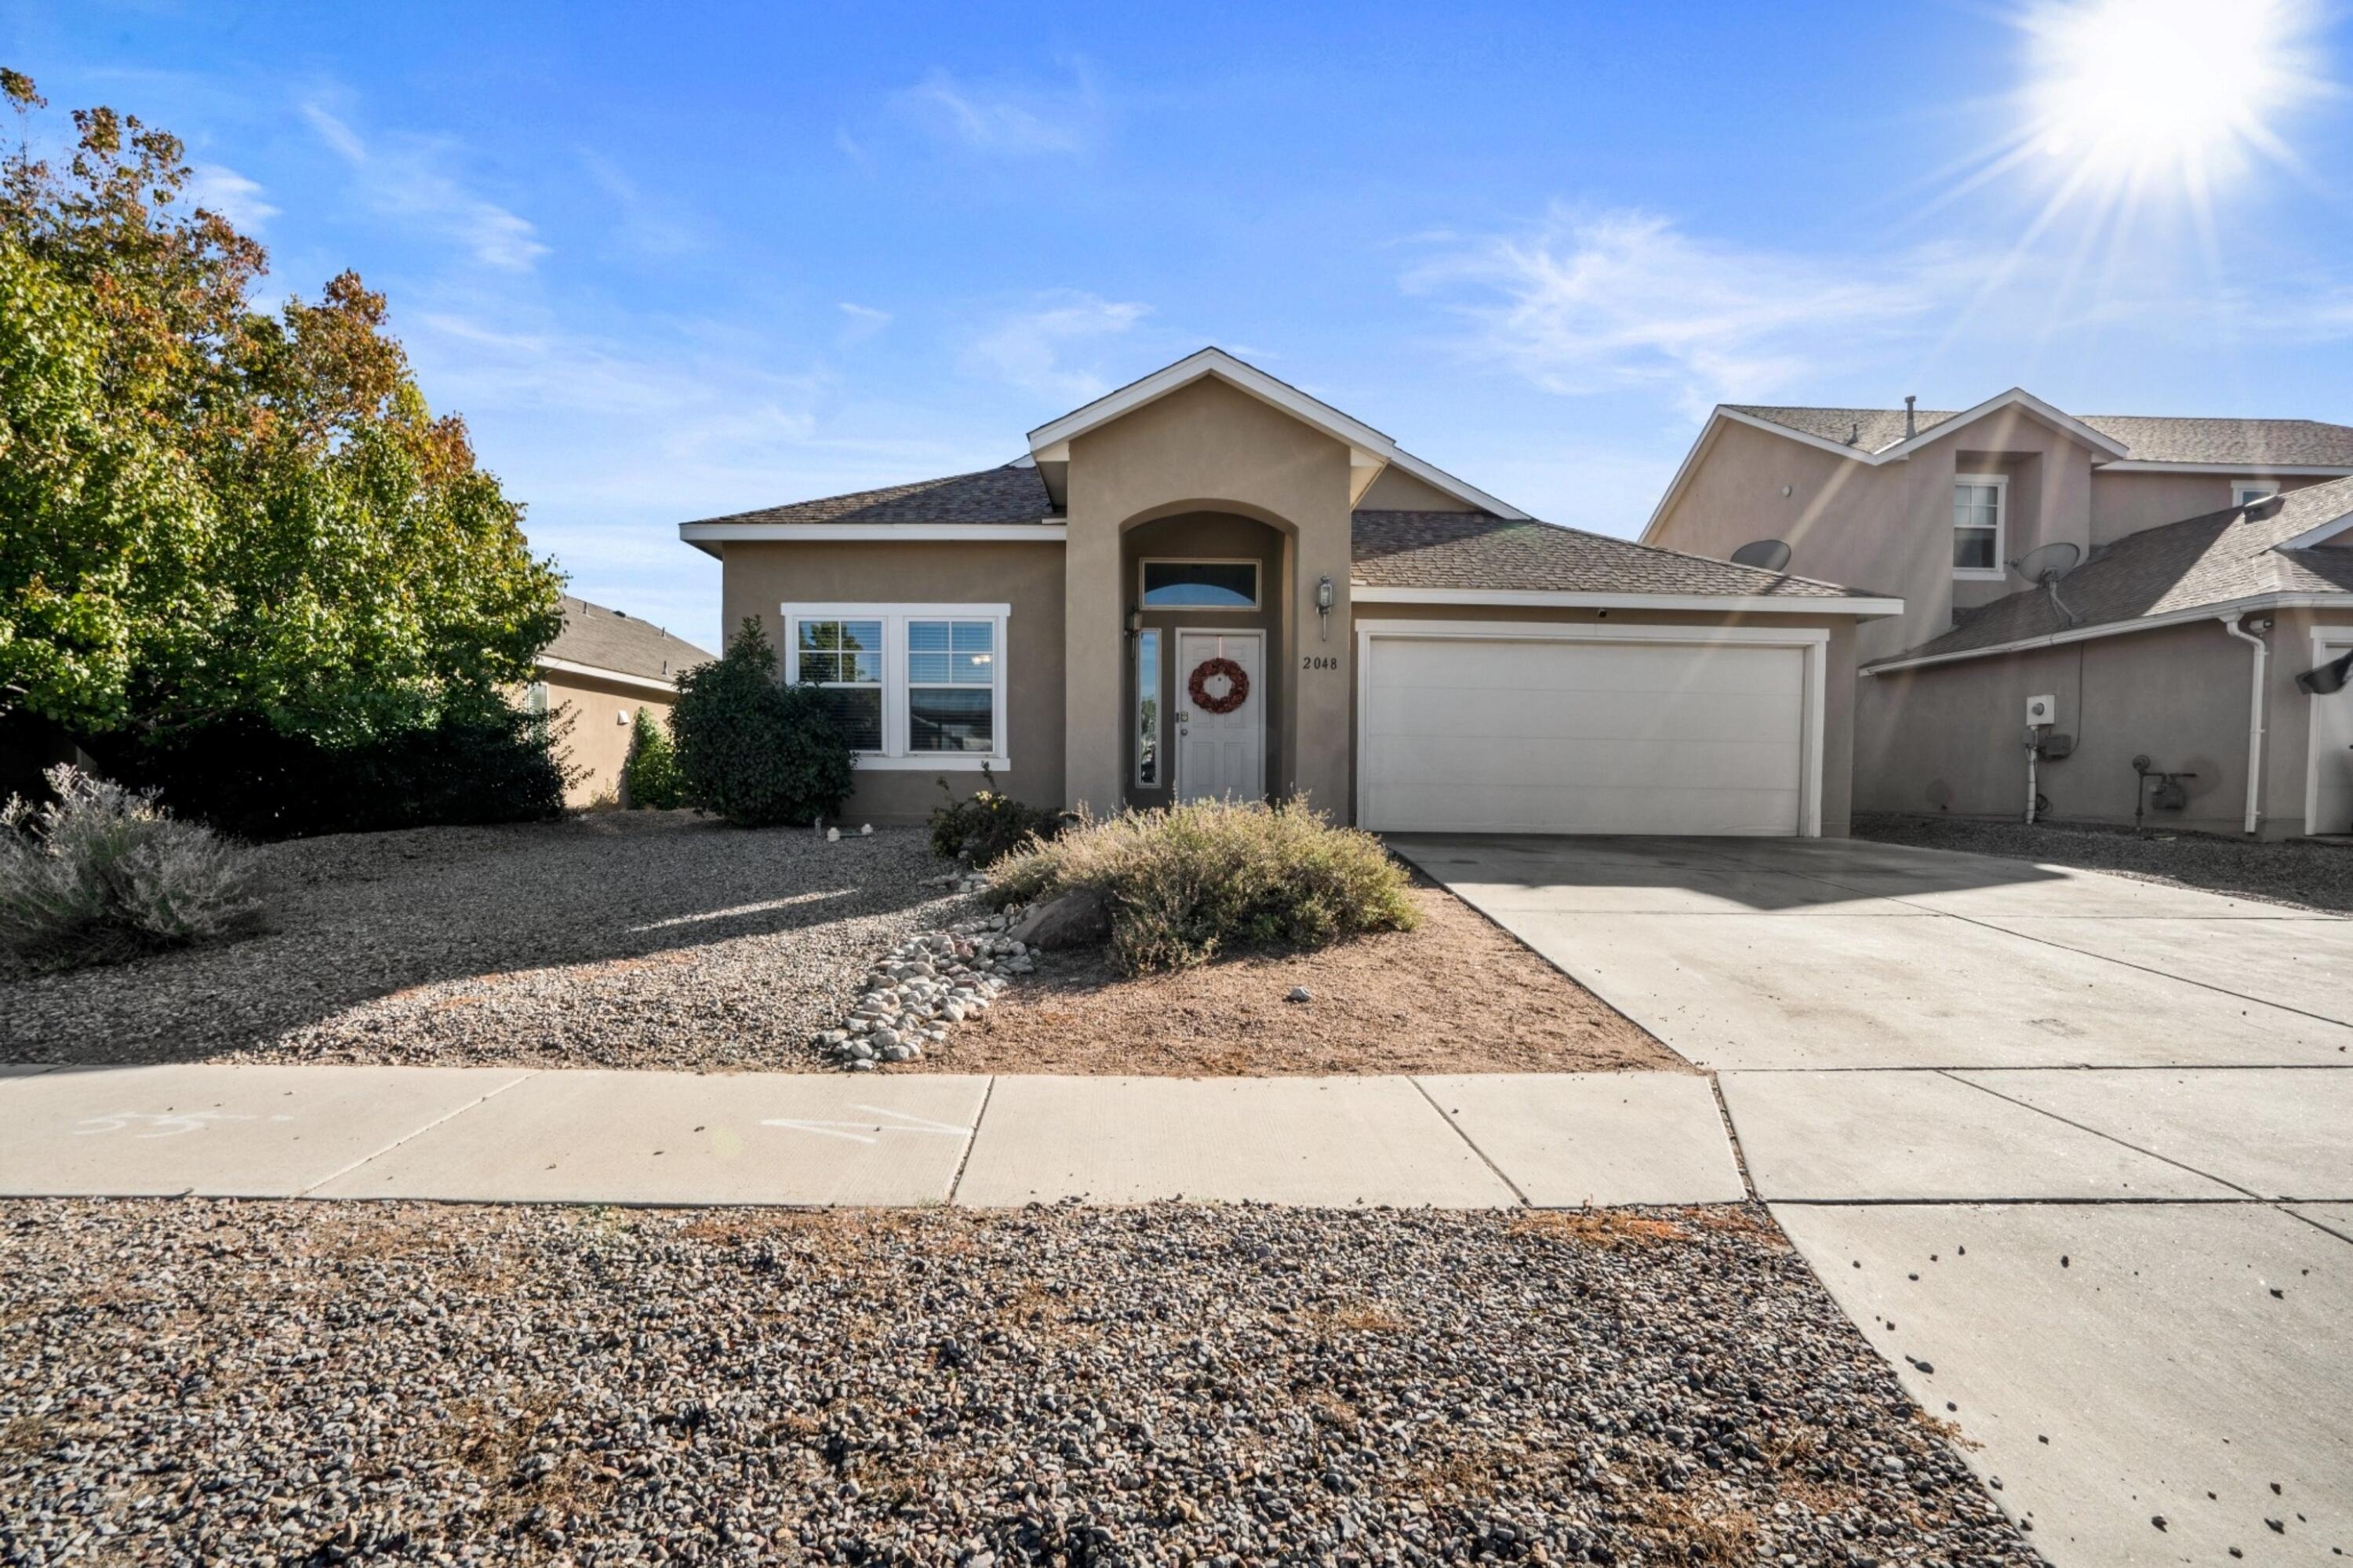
103,874
1186,882
988,824
754,752
650,777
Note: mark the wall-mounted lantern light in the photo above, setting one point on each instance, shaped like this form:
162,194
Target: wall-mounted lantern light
1135,620
1325,596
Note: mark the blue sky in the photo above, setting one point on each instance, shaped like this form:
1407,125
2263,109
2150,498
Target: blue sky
678,262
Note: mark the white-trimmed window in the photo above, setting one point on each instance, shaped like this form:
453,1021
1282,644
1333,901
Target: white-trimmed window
1979,503
2247,492
915,686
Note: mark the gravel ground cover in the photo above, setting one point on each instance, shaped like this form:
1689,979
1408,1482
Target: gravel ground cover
2291,871
622,939
1457,994
288,1384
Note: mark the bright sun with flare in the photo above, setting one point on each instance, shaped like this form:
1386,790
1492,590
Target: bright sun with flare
2132,99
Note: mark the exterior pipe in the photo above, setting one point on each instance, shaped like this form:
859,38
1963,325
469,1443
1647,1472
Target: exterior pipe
2262,659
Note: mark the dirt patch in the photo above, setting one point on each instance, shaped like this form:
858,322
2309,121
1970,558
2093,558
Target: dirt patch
1454,995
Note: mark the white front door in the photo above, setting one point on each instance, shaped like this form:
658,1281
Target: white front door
1220,755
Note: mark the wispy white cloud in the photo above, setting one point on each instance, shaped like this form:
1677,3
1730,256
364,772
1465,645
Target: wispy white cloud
1005,118
643,222
859,322
407,179
219,188
1047,347
1588,303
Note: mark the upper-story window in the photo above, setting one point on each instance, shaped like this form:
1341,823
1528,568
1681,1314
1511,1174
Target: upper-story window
2247,492
1980,500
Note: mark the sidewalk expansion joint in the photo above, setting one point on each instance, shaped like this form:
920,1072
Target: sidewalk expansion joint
442,1120
1423,1090
979,1119
2096,1132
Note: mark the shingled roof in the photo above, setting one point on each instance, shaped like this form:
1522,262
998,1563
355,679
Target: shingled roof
2217,559
1013,493
1473,550
612,639
2250,443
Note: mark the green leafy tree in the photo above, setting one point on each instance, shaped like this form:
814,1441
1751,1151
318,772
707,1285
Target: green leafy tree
752,751
650,777
230,512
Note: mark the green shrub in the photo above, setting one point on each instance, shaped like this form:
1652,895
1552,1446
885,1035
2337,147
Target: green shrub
751,750
481,760
102,874
650,777
989,824
1186,882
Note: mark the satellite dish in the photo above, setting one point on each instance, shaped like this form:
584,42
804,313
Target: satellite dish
2044,562
1768,555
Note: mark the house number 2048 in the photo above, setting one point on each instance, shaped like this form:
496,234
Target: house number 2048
1319,662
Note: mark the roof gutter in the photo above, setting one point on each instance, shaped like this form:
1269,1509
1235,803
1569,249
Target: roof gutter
2229,608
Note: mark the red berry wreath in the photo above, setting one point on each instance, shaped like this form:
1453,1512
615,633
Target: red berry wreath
1237,686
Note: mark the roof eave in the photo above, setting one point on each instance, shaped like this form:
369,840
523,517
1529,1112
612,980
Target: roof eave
2217,610
1561,599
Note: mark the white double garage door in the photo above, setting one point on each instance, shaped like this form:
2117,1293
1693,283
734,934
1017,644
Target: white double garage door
1589,728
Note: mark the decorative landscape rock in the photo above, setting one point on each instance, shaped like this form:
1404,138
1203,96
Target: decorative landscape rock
1078,918
927,985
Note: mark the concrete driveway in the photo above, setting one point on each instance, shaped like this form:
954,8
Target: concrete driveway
2075,1151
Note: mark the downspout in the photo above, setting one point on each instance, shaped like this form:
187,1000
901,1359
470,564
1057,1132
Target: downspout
2262,651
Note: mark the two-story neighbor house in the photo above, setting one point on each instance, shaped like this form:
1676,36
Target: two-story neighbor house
1208,583
2212,563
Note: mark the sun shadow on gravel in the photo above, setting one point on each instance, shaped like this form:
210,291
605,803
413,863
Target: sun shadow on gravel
1175,1383
638,940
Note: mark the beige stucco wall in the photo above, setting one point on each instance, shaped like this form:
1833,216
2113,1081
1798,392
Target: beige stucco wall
1951,737
1397,491
2126,503
1838,672
761,577
1205,448
595,744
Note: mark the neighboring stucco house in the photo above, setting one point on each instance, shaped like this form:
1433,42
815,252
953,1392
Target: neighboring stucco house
601,669
2213,563
1208,583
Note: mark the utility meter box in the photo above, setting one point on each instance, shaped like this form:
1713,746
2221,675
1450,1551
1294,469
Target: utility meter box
2042,710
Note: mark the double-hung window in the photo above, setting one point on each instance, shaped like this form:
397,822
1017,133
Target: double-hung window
913,685
951,685
1979,501
842,657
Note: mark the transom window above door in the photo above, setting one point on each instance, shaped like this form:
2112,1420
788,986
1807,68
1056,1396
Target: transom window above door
1979,501
1200,584
912,686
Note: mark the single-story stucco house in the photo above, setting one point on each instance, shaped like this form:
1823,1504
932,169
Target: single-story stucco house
601,669
1208,583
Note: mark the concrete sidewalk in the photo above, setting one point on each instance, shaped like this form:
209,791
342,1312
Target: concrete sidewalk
502,1135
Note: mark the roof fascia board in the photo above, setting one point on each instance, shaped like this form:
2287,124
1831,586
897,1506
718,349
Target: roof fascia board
2235,469
879,533
2234,606
1051,441
598,673
1546,598
2317,534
